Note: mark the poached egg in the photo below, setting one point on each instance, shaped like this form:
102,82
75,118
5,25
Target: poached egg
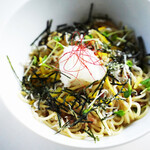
79,65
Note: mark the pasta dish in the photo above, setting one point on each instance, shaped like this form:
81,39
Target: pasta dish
88,79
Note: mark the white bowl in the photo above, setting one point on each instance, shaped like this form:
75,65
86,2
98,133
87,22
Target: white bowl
26,25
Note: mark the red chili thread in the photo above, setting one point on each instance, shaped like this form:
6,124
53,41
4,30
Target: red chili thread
79,50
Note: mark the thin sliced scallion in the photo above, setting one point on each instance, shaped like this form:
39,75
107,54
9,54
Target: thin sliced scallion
57,46
118,31
29,67
13,69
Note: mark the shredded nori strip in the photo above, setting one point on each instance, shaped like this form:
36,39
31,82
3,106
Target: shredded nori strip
47,31
90,14
142,50
60,26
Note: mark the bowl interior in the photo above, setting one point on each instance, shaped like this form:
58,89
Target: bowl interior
29,22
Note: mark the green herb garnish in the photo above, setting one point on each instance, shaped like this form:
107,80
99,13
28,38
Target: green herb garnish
129,63
56,38
105,33
44,62
61,46
120,113
88,36
114,37
34,60
146,83
87,110
148,89
128,92
44,58
45,65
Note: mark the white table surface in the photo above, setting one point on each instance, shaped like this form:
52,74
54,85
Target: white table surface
15,136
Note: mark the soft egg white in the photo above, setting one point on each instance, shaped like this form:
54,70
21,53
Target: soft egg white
80,65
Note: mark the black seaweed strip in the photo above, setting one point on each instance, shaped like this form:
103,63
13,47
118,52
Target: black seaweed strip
105,36
55,80
61,104
142,50
51,102
39,104
59,119
86,95
90,13
113,77
64,101
55,92
104,17
90,134
83,105
63,35
64,75
81,27
91,84
53,106
78,121
142,46
101,83
40,79
60,26
73,93
120,91
136,55
99,117
74,113
67,29
87,100
49,47
48,27
129,48
78,99
52,73
73,103
113,82
86,121
64,126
